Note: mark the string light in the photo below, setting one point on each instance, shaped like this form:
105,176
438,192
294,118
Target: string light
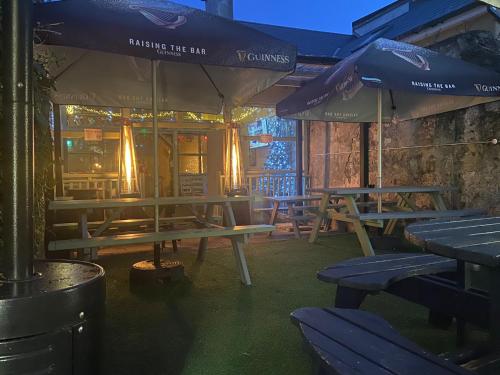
240,114
73,109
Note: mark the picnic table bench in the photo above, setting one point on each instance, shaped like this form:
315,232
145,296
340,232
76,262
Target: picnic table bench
426,279
473,240
405,208
126,223
294,204
349,342
204,221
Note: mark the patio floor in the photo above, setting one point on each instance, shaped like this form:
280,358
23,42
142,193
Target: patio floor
211,324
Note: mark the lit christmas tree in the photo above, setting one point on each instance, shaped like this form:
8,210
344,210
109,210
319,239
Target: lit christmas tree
280,153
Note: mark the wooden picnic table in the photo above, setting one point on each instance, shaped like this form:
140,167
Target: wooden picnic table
405,208
204,221
468,240
293,203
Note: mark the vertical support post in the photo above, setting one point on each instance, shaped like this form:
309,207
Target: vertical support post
58,172
157,245
364,159
298,159
175,151
379,120
17,139
120,162
326,176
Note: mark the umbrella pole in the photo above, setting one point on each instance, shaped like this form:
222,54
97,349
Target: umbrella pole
154,66
379,118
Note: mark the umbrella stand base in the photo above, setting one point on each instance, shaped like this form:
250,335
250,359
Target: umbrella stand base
52,323
146,272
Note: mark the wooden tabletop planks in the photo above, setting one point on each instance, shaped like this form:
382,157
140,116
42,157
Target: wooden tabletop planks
294,198
384,190
141,202
475,240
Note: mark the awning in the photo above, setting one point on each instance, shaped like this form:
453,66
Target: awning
100,53
415,82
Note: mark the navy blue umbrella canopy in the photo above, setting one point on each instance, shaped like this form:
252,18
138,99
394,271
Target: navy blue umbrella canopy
102,53
388,81
414,82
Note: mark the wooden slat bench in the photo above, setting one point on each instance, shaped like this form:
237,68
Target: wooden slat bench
426,214
425,279
367,275
235,233
126,223
349,342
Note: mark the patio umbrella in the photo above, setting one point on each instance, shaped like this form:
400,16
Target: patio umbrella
155,54
391,81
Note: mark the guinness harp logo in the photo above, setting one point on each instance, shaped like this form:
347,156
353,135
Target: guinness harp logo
160,17
411,57
242,55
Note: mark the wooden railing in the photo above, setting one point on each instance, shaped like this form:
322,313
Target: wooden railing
108,183
273,183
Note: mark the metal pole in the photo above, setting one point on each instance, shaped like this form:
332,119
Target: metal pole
298,160
326,173
58,165
156,164
364,159
17,140
120,161
379,118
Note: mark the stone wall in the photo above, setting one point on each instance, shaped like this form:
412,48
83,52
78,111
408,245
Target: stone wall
444,149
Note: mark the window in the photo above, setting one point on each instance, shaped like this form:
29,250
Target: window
278,154
82,156
192,154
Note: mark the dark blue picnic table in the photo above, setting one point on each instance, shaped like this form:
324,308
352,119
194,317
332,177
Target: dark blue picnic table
473,240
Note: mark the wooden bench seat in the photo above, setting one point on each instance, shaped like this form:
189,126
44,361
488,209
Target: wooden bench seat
426,279
349,342
235,233
302,218
426,214
137,238
126,223
379,272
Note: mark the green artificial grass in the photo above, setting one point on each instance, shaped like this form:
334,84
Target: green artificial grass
211,324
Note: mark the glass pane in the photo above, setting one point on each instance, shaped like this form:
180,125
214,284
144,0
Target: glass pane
276,156
276,126
90,157
188,144
189,164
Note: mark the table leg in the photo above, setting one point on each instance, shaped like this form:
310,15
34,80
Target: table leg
359,227
202,247
322,213
461,281
295,224
114,215
241,262
403,201
84,254
237,242
438,201
494,276
274,214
